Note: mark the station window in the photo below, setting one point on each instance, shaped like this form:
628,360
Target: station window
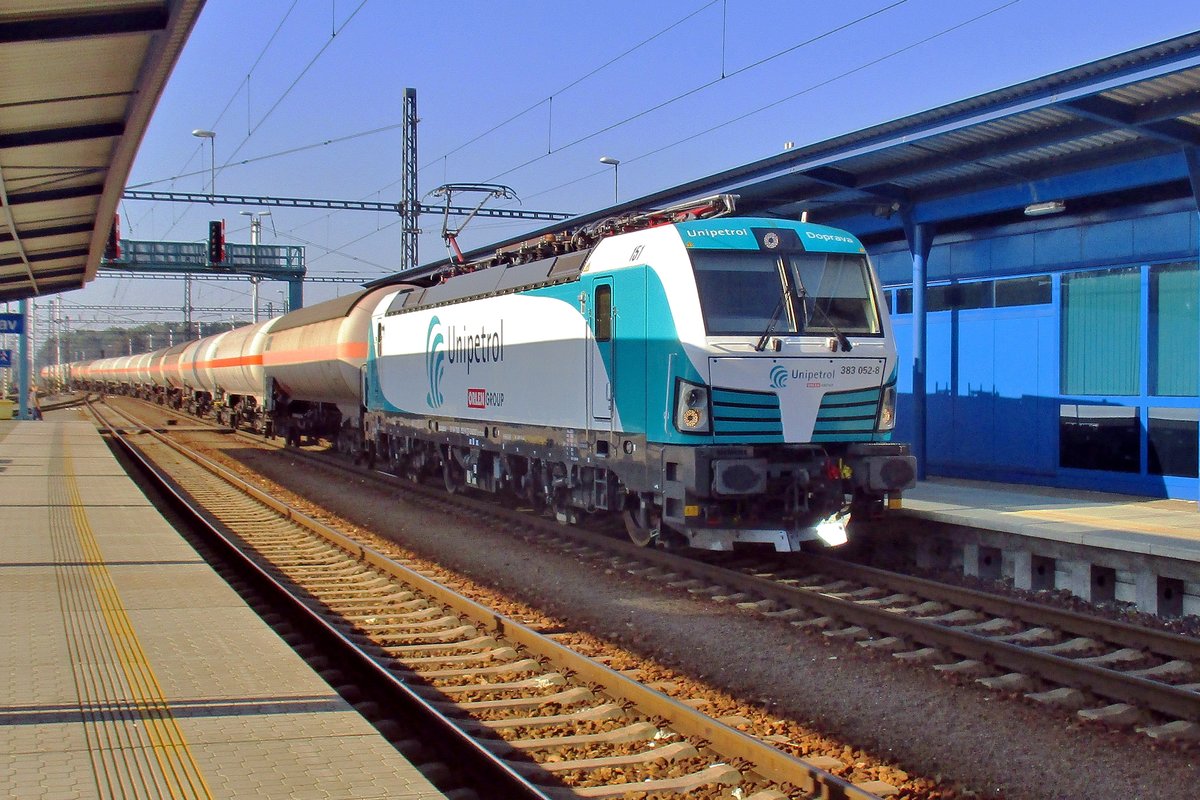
1174,330
1101,332
959,296
1172,440
1099,437
1032,291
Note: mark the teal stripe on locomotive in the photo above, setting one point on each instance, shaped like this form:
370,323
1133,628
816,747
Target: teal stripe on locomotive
847,416
752,417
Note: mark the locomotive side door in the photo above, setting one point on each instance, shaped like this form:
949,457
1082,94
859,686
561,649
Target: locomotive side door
601,357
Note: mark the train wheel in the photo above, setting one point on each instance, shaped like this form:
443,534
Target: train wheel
564,512
452,475
641,535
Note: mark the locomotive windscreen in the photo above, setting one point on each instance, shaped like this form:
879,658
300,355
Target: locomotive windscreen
744,293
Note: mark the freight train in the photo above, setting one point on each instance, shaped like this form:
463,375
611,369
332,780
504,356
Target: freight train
711,380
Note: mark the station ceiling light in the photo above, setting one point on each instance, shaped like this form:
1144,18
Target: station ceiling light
1042,209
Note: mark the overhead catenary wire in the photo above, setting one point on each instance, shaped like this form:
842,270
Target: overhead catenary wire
564,88
780,101
229,103
279,100
701,87
338,250
549,100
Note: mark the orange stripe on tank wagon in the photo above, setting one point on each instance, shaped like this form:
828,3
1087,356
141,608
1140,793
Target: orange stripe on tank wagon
235,361
346,350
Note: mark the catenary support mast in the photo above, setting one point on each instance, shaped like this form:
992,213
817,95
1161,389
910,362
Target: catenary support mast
410,203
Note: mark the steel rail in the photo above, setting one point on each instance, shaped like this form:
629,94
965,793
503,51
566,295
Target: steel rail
508,782
767,761
1171,701
1161,697
1123,633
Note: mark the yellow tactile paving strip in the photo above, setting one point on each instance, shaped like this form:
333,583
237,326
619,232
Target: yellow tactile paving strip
136,745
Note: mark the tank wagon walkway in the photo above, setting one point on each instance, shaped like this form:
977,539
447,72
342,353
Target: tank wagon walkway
130,669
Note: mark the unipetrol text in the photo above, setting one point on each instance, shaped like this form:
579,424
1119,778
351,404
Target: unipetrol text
482,347
812,374
699,234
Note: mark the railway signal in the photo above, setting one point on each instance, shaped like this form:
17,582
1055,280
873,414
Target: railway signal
216,241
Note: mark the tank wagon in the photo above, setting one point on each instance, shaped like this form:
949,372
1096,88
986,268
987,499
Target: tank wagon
713,380
313,362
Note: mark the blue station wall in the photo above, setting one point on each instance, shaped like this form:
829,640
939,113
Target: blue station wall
1060,352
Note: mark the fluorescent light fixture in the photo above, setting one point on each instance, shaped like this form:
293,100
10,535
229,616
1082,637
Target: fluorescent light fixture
1042,209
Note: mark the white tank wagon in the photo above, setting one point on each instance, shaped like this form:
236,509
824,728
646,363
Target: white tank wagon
313,365
232,373
141,374
118,375
167,375
196,395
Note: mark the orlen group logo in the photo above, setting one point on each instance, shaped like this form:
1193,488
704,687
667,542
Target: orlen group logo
435,357
779,376
482,398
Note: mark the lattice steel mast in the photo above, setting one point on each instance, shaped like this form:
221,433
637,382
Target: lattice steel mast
410,203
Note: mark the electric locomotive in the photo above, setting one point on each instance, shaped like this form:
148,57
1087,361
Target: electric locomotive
716,380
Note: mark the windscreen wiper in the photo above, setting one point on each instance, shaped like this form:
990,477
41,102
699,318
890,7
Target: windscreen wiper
766,334
843,342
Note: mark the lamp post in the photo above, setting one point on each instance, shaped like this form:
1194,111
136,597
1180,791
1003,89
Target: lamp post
255,233
200,133
615,164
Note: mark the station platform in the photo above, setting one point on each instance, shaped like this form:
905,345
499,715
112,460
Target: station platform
1099,546
131,669
1168,528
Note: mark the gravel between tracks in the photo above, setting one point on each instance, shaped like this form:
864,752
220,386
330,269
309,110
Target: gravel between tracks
903,715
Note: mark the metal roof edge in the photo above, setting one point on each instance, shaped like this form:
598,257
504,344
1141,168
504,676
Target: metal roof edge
156,69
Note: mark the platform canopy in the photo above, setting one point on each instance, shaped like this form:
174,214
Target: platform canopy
78,82
1117,131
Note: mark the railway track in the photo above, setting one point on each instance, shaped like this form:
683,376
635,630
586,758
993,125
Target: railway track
1101,669
554,722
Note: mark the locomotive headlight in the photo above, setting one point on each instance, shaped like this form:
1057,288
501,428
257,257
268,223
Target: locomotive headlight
691,408
887,409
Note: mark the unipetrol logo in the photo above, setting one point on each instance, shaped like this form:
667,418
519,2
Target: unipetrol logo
779,376
829,237
435,357
703,232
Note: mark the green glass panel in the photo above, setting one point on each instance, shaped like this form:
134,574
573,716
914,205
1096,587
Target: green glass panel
1174,296
1100,339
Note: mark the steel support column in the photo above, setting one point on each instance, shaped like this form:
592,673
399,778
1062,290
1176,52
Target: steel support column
295,294
23,409
920,241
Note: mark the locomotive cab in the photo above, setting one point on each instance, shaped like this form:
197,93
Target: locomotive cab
793,413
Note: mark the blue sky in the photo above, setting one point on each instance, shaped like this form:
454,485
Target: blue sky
675,89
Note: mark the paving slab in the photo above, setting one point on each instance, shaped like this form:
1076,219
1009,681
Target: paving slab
128,667
1150,526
